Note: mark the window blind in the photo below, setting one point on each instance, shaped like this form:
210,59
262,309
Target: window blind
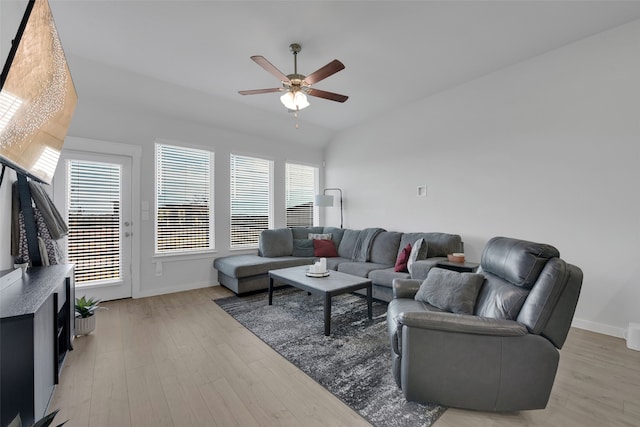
251,210
93,243
300,190
184,195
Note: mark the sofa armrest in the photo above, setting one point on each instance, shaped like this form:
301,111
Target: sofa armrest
421,268
405,288
461,323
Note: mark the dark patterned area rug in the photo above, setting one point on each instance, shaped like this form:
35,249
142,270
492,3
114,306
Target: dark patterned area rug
354,363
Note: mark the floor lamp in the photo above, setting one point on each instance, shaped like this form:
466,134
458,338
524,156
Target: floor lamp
324,200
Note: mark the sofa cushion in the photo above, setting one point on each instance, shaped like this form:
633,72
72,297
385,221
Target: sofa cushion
361,269
240,266
348,243
276,242
450,291
384,249
403,258
517,261
418,252
385,277
336,234
420,269
324,248
302,247
333,263
440,244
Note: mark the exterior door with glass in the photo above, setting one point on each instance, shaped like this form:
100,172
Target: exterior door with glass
94,192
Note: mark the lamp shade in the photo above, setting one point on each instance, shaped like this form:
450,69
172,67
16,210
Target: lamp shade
294,100
323,200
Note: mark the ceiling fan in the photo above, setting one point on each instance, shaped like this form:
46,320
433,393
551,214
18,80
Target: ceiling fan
297,86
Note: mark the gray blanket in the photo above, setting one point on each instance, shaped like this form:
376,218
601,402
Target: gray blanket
362,248
56,224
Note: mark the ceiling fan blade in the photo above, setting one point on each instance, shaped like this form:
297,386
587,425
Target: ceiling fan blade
324,72
326,95
257,91
262,61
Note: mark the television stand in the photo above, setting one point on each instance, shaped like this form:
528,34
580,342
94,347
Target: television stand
36,330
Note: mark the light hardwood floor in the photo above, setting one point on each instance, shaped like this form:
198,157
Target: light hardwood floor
179,360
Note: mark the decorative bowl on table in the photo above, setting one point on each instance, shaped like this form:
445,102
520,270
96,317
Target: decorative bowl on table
456,257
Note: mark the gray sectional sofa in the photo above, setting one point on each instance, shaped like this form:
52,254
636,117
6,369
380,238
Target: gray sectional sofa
370,253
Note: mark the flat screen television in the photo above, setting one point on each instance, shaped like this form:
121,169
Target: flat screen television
37,96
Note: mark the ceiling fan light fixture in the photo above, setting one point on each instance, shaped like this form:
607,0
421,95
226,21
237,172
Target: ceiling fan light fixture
294,100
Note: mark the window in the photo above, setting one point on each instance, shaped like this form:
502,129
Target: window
251,210
300,190
184,199
94,220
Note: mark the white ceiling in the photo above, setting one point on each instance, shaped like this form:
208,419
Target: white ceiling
395,52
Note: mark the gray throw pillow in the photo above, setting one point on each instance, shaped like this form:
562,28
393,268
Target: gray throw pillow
418,252
275,242
450,291
302,247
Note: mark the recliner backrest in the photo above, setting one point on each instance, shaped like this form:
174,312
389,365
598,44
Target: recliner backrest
549,308
528,282
517,261
511,267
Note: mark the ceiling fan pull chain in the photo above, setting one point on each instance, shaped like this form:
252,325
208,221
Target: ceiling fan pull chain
296,116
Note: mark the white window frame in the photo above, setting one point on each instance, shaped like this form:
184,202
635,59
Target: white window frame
314,191
211,195
252,244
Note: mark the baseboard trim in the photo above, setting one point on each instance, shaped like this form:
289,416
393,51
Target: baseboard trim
600,328
174,289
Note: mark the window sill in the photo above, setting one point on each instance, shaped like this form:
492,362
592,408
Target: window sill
183,256
246,249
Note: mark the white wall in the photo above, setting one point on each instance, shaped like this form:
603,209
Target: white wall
546,150
113,121
128,120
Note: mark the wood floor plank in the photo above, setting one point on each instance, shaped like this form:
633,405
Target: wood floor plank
186,404
222,399
180,360
110,391
147,401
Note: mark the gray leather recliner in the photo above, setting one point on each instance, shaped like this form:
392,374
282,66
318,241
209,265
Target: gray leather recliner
505,356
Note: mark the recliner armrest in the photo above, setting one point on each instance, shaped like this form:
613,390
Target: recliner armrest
405,288
460,323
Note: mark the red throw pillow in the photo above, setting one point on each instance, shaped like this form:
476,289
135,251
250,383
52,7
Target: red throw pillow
403,258
324,248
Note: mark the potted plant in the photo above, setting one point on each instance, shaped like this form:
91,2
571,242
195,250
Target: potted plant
43,422
85,315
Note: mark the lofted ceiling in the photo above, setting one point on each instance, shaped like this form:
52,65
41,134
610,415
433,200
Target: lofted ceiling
395,52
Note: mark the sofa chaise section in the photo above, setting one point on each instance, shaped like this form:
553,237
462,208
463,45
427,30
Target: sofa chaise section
250,273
